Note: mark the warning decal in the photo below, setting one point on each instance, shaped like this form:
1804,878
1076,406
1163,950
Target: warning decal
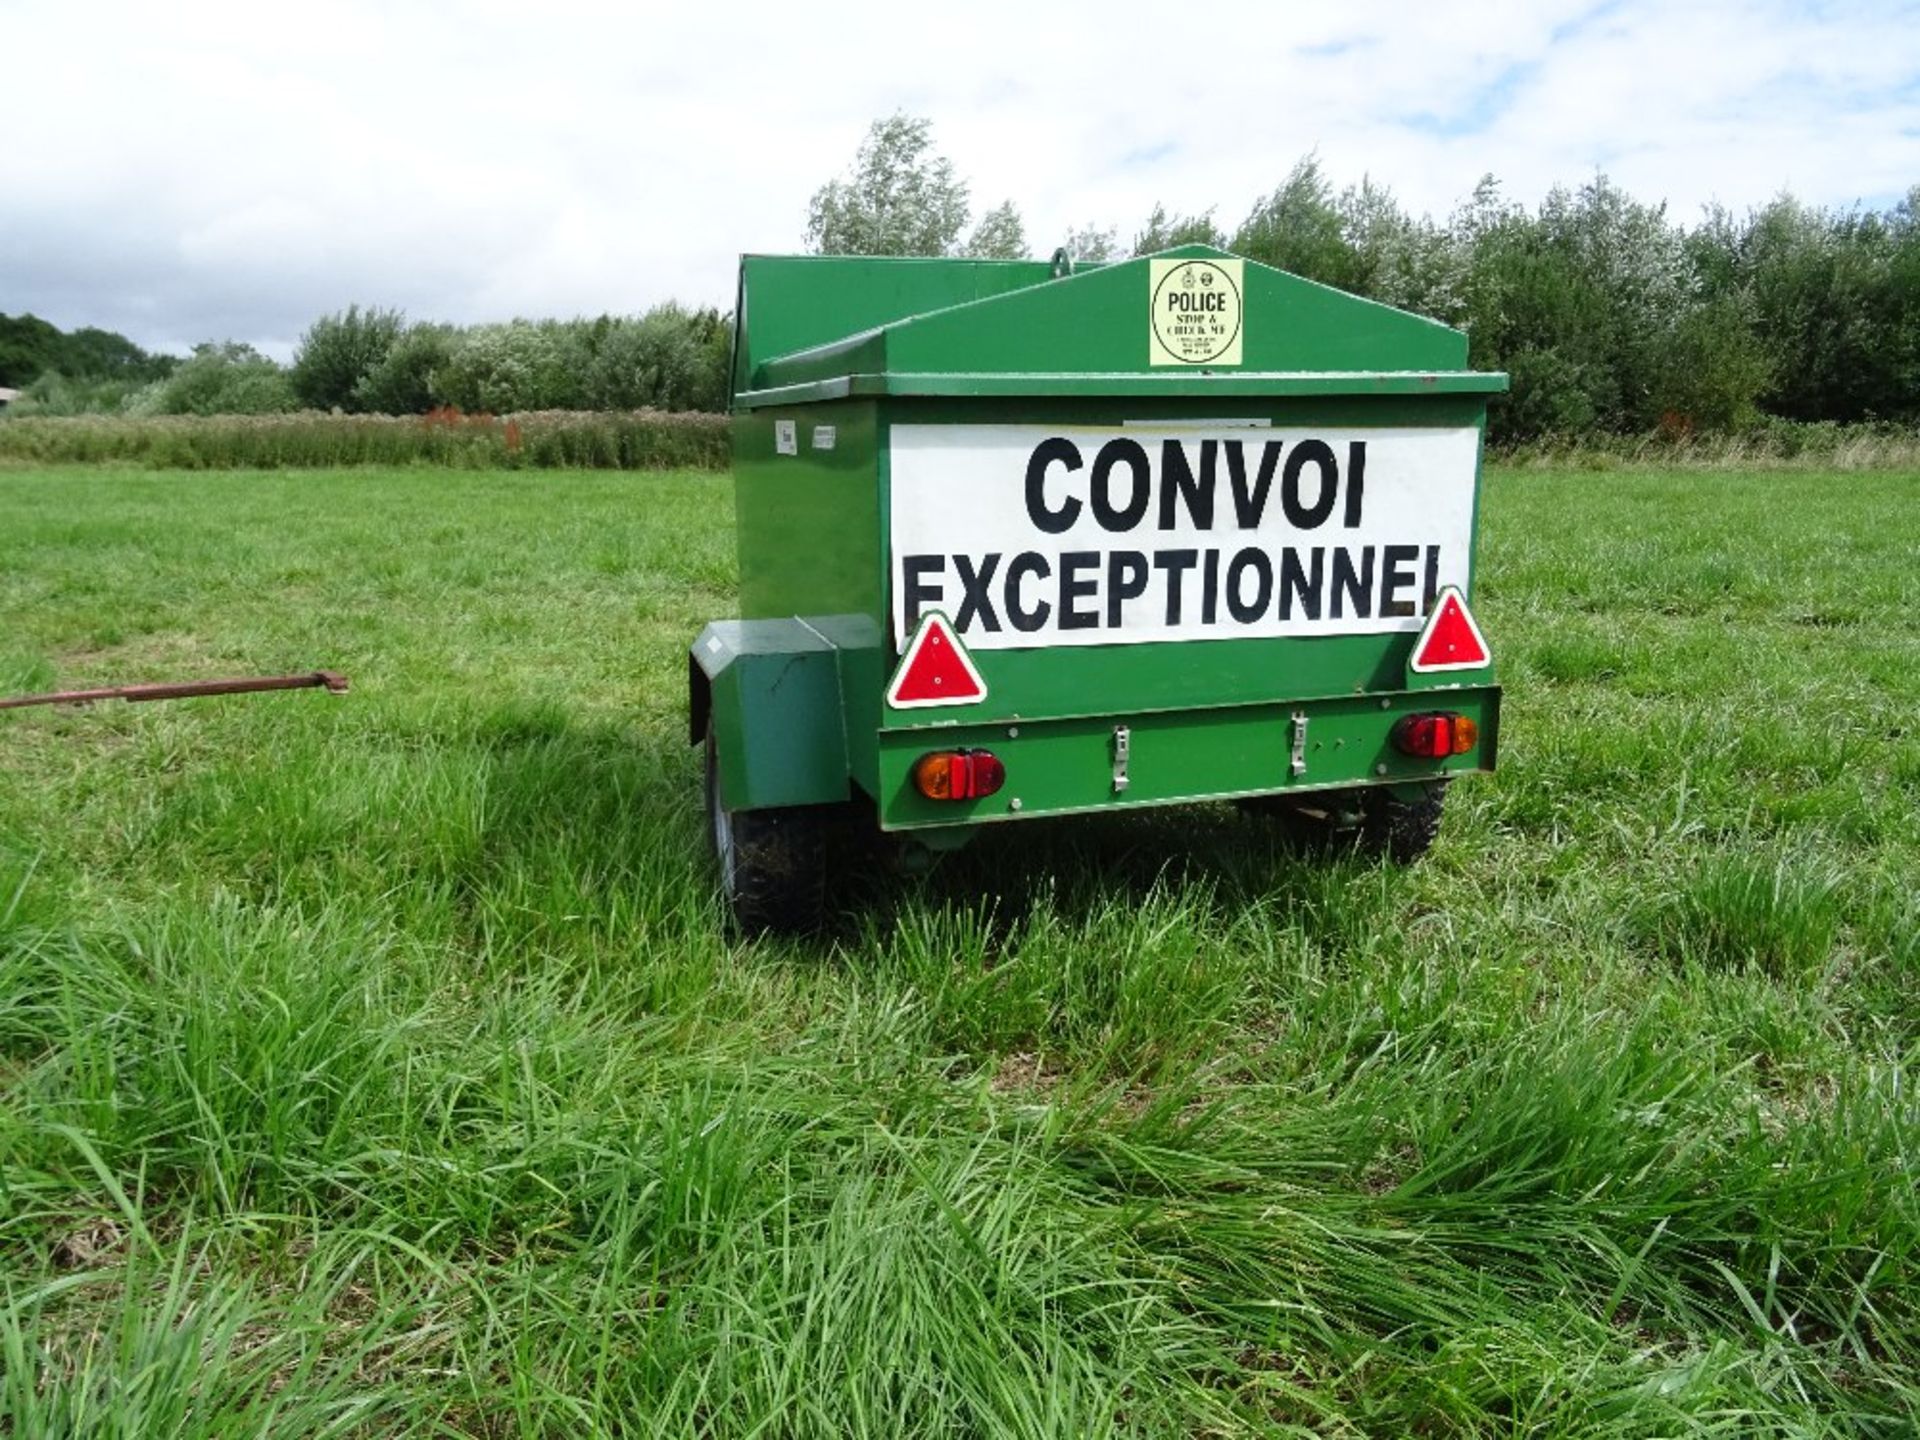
1194,311
1452,640
935,670
1027,535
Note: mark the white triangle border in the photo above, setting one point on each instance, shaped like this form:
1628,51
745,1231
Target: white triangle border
1426,631
927,622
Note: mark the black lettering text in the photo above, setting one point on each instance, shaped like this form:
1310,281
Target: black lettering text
1351,587
1072,588
1304,586
1177,478
1249,505
1176,563
1027,562
1320,454
1356,482
1126,580
1130,454
975,600
920,592
1051,522
1252,561
1396,574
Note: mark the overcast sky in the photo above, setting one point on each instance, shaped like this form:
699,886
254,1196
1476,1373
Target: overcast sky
182,171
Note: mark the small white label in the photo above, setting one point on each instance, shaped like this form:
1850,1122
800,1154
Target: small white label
786,437
823,437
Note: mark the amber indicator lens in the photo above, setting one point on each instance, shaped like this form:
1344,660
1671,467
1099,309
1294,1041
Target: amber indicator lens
958,774
1435,737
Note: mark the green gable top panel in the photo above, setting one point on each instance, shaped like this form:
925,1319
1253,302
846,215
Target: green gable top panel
1011,328
797,302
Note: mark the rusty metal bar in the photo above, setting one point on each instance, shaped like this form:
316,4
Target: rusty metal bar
136,694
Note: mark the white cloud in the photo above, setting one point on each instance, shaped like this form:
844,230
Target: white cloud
213,169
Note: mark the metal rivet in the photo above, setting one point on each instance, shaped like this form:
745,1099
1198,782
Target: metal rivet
1380,769
1014,804
1385,703
1013,732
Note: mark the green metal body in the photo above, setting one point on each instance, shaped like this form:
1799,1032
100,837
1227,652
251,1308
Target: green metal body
842,351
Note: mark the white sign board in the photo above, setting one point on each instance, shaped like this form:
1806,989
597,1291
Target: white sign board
1028,535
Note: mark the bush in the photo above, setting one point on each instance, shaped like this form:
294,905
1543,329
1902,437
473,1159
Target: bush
633,440
1710,372
655,360
1550,395
228,378
57,394
339,352
521,365
402,383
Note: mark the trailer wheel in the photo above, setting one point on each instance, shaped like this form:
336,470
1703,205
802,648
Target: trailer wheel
773,863
1401,830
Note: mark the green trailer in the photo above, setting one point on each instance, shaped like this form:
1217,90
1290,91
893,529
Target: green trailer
1024,539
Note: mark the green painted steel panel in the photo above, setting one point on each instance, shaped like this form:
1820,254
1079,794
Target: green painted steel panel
1345,382
1061,767
809,525
778,712
1095,326
796,302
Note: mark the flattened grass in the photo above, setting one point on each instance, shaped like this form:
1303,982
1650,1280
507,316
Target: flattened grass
380,1065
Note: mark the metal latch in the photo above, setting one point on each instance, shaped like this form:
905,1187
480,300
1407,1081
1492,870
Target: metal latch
1122,742
1299,762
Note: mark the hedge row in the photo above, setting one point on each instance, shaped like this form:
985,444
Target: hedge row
690,440
559,439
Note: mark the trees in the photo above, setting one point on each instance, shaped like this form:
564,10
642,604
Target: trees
1164,231
667,359
1298,228
339,352
31,347
901,198
998,236
226,378
1092,242
402,383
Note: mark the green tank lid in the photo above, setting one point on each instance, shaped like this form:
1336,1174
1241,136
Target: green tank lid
1193,320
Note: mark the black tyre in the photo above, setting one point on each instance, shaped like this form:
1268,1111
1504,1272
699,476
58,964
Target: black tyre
774,864
1401,830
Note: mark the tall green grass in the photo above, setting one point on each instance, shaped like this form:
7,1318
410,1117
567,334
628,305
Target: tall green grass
557,439
380,1064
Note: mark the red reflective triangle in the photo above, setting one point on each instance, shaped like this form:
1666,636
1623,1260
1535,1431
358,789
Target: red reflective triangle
936,670
1451,640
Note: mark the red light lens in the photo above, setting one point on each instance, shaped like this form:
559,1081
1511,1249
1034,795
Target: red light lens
958,774
988,773
1435,737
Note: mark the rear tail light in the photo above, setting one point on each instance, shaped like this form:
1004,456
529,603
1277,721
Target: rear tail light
958,774
1434,737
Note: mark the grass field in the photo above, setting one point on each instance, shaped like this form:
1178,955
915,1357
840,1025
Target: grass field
380,1064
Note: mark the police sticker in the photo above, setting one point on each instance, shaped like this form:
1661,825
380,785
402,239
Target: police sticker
1195,311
